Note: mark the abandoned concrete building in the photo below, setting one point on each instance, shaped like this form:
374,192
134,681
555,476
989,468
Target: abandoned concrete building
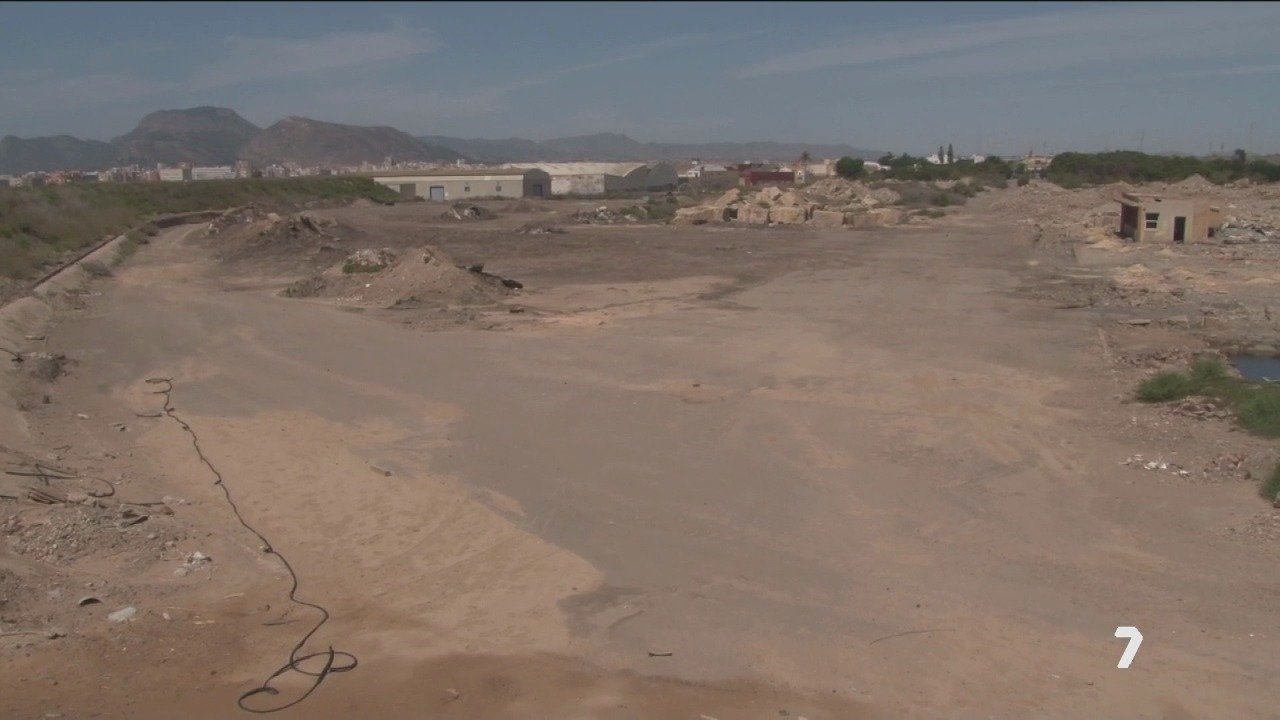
1150,217
592,178
455,184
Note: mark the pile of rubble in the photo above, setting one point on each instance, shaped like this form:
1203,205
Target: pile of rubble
1235,231
603,216
422,277
830,203
464,211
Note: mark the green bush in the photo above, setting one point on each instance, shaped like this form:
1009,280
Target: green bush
1073,169
1260,414
850,167
1207,370
1256,405
1165,386
1270,488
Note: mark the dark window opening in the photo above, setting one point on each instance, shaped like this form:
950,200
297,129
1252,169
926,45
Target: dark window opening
1153,220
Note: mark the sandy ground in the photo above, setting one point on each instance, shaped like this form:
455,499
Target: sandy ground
707,473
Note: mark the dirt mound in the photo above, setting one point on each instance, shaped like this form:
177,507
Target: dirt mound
1196,184
271,241
421,277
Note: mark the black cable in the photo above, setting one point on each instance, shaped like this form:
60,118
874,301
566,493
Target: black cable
335,661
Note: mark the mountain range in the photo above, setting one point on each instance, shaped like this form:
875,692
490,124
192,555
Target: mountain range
219,136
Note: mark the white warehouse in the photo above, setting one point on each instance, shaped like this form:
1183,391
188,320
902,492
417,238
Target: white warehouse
592,178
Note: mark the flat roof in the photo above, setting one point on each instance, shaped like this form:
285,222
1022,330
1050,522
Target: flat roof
450,172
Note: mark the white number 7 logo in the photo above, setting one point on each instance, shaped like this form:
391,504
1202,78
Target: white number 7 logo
1135,641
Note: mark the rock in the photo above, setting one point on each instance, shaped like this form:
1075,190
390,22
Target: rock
368,260
887,216
123,614
790,198
729,198
770,194
753,215
1135,321
827,218
699,215
787,215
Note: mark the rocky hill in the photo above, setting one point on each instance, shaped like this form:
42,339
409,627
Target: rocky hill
59,152
218,136
201,135
311,142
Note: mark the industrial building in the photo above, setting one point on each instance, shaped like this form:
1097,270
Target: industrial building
217,172
458,184
1148,217
591,178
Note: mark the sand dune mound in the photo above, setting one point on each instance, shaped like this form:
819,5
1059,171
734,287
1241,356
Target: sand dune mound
422,276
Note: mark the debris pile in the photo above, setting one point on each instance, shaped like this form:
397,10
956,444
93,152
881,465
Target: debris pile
368,260
830,203
1139,462
1235,231
604,216
421,277
466,211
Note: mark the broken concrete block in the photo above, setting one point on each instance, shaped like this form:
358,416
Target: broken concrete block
790,198
770,194
753,215
729,197
878,217
787,215
699,215
827,218
887,216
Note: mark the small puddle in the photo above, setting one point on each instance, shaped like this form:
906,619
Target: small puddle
1257,367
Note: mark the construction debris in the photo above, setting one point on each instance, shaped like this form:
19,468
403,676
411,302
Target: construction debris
829,203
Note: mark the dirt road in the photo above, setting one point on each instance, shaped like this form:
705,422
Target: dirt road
846,475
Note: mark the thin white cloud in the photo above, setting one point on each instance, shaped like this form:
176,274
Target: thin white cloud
40,90
1044,42
1238,71
255,59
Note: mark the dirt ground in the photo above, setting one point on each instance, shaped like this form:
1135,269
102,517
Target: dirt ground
684,472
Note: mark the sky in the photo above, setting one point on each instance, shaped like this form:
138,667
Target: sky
985,77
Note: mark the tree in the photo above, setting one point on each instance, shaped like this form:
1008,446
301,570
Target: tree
951,154
886,159
942,156
849,168
805,157
1239,156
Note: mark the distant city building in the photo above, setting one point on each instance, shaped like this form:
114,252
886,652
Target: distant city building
449,184
220,172
5,181
178,174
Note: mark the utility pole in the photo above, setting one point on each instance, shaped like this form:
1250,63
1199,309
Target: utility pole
1142,138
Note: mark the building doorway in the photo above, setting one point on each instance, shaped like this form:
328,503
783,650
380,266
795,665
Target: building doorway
1179,229
436,192
537,190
